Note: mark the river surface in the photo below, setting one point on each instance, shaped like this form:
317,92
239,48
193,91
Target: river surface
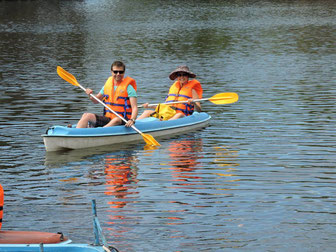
261,177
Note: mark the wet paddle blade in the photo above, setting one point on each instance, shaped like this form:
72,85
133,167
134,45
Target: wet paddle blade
67,76
150,140
224,98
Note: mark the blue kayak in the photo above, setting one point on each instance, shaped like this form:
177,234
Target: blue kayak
61,137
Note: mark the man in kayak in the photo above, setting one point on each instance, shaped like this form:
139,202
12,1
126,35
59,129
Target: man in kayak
119,94
183,89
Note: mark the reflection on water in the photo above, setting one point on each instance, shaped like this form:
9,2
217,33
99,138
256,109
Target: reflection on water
121,189
184,166
226,159
121,178
185,155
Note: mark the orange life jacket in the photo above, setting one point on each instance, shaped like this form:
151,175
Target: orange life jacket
1,204
176,93
118,99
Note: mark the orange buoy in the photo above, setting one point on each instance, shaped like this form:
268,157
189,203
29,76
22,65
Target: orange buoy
1,204
31,237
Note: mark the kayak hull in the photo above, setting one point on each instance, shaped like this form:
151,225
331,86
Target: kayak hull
40,241
73,247
60,137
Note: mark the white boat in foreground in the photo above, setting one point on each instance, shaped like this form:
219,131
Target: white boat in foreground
61,137
33,241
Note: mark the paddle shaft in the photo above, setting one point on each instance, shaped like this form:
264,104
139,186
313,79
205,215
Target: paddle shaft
221,98
102,103
176,102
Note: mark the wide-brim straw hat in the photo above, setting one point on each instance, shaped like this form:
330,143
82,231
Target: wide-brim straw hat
184,69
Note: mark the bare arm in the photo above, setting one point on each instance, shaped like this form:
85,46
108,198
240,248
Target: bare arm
198,107
99,95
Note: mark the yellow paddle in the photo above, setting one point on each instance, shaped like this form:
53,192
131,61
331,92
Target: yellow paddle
71,79
221,98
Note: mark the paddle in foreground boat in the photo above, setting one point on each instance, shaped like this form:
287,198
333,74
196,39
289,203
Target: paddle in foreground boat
72,80
219,99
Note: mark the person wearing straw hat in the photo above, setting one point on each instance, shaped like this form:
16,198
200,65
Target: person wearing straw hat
183,89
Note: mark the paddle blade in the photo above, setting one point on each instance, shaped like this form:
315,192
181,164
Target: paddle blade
148,147
67,76
149,139
224,98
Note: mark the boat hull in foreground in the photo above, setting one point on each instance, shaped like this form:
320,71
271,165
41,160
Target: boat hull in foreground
72,247
26,241
60,137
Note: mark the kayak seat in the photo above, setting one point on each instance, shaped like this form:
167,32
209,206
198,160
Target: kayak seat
30,237
148,119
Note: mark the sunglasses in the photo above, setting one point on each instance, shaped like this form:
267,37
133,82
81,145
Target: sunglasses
182,74
116,72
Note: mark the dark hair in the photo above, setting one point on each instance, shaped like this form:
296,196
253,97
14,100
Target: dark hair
118,64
